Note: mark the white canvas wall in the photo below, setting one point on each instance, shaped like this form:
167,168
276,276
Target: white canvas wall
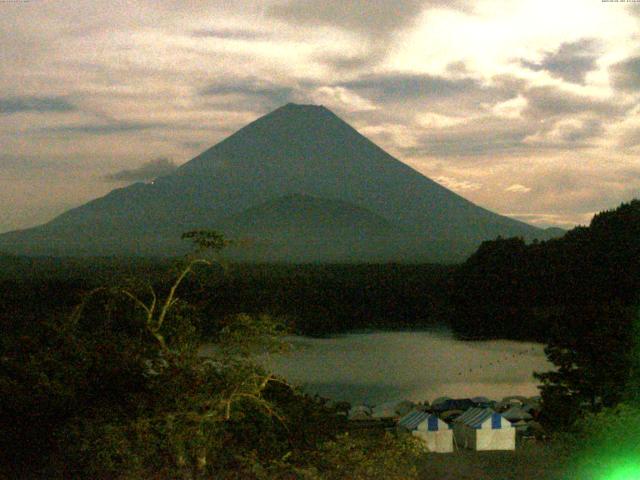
485,438
499,439
440,441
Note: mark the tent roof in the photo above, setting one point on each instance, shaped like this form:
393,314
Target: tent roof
476,417
423,421
516,413
515,399
454,404
392,409
480,400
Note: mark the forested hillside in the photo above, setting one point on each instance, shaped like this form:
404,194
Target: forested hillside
508,289
577,294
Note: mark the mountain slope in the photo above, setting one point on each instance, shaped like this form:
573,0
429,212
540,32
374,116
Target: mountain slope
301,228
296,149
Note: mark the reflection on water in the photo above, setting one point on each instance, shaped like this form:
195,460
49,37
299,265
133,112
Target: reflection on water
382,366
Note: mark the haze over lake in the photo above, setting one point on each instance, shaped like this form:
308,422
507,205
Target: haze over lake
419,365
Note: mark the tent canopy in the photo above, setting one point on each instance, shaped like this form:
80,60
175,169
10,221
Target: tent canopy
453,404
393,409
515,414
478,418
480,400
423,421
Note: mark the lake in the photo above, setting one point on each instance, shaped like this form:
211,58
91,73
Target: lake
418,365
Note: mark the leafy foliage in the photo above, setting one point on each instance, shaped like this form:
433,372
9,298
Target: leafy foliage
578,294
508,289
122,389
366,458
206,239
604,444
592,349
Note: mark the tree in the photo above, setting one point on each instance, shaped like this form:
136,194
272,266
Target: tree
181,421
122,389
592,348
119,388
492,293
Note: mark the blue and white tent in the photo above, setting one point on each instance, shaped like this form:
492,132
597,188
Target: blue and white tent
434,433
484,429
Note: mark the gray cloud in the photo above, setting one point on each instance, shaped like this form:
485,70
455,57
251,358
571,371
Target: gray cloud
402,97
487,136
590,128
231,34
147,171
549,118
38,168
262,93
103,129
571,61
404,94
479,137
548,101
370,17
458,68
630,173
9,105
350,63
375,20
552,119
577,191
27,163
194,144
630,138
625,75
409,86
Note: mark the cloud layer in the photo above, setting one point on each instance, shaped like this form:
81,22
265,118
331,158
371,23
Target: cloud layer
9,105
571,61
517,109
147,171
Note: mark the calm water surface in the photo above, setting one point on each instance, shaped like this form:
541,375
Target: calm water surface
420,365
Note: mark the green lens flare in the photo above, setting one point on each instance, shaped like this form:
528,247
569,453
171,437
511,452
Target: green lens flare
629,470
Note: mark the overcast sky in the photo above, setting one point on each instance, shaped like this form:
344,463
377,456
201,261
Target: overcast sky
530,108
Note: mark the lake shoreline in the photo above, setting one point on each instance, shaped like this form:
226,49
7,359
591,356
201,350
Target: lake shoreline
377,366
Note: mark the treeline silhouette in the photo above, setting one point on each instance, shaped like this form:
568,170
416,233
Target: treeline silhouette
508,289
313,299
326,299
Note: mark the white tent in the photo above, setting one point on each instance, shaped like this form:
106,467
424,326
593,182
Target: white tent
515,414
484,429
436,435
360,412
393,409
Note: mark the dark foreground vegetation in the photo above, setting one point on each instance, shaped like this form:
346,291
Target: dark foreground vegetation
116,388
509,289
579,294
314,299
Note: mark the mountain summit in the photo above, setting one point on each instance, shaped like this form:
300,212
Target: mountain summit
357,202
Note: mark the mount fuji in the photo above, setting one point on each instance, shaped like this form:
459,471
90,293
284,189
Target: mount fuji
300,184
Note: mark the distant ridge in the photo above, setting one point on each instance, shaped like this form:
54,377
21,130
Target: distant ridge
300,155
